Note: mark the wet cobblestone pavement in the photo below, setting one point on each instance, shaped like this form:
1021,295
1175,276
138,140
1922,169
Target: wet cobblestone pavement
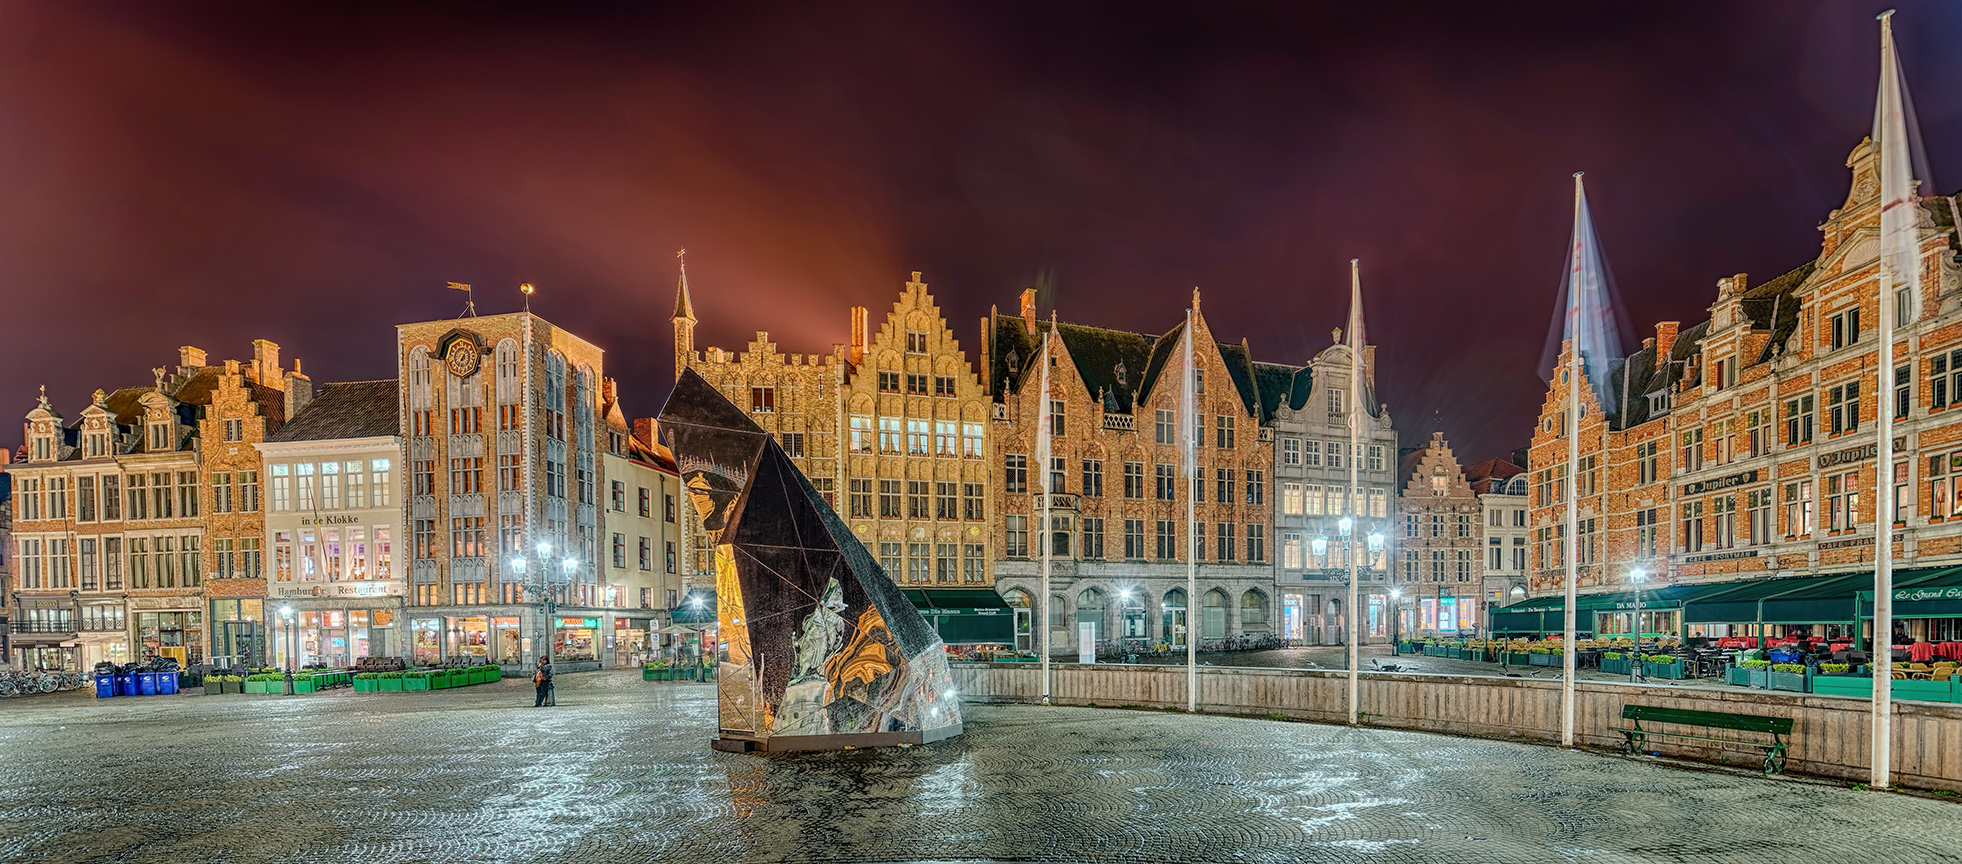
621,771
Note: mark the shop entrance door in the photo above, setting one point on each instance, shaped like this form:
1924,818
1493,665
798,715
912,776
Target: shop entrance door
241,643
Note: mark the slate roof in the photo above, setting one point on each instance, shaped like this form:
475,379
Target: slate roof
352,409
1124,368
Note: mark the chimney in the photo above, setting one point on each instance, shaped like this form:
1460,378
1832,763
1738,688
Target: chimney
608,390
861,340
189,356
1028,309
644,431
298,387
265,362
1665,341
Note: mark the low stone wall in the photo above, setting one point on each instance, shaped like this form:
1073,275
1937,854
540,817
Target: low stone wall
1829,735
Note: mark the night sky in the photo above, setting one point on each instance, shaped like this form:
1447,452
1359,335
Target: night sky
207,174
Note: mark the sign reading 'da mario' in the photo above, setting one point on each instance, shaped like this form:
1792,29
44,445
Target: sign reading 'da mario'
311,521
1857,454
1720,483
1721,556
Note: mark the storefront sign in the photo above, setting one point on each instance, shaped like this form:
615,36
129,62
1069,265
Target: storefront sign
1913,594
1723,556
969,611
1857,454
1720,483
363,588
1851,542
310,521
578,623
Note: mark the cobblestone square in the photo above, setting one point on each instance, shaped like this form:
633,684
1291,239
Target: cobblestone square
621,771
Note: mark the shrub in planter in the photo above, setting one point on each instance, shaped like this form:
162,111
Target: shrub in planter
214,685
303,683
1787,676
1835,668
367,682
415,680
1663,666
390,680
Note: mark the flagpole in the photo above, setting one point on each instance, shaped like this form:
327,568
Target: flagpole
1572,485
1043,446
1355,525
1190,435
1893,144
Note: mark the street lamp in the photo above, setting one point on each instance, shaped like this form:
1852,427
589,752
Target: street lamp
292,649
1636,577
547,589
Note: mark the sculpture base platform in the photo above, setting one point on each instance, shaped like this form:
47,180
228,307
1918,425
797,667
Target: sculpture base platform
793,743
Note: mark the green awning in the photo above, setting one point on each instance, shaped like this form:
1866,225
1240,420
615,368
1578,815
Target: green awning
1933,593
966,616
1824,600
1738,604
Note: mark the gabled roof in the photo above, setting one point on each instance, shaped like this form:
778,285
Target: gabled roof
1483,475
1098,353
1280,384
354,409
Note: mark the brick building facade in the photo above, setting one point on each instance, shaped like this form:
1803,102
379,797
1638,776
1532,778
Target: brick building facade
114,532
503,426
1745,447
891,427
1441,549
1118,512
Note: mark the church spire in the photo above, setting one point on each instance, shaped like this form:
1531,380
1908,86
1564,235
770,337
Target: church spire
684,320
684,307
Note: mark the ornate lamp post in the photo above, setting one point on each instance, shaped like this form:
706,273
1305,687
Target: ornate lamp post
292,648
547,589
1636,577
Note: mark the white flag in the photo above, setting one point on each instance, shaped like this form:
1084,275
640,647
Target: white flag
1189,408
1589,315
1898,217
1043,422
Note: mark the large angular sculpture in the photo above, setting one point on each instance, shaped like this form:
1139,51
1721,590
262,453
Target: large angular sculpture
817,648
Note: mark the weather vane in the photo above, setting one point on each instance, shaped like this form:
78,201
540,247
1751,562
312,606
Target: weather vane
469,304
526,288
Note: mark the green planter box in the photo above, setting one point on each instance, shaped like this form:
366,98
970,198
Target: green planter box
1662,670
213,686
303,685
1615,665
1515,658
265,687
234,687
389,683
1843,685
1453,652
439,682
1924,691
1540,660
366,685
655,674
1791,682
415,683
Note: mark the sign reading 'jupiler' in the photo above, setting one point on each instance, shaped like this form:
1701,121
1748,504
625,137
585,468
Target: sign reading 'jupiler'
1858,454
1750,476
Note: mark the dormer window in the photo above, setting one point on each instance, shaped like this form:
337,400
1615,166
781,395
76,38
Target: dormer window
1658,403
160,436
43,448
98,444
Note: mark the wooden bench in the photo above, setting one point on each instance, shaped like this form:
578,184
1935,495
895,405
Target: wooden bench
1635,736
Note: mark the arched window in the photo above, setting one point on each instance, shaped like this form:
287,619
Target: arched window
508,377
421,395
1213,608
1090,610
1253,610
